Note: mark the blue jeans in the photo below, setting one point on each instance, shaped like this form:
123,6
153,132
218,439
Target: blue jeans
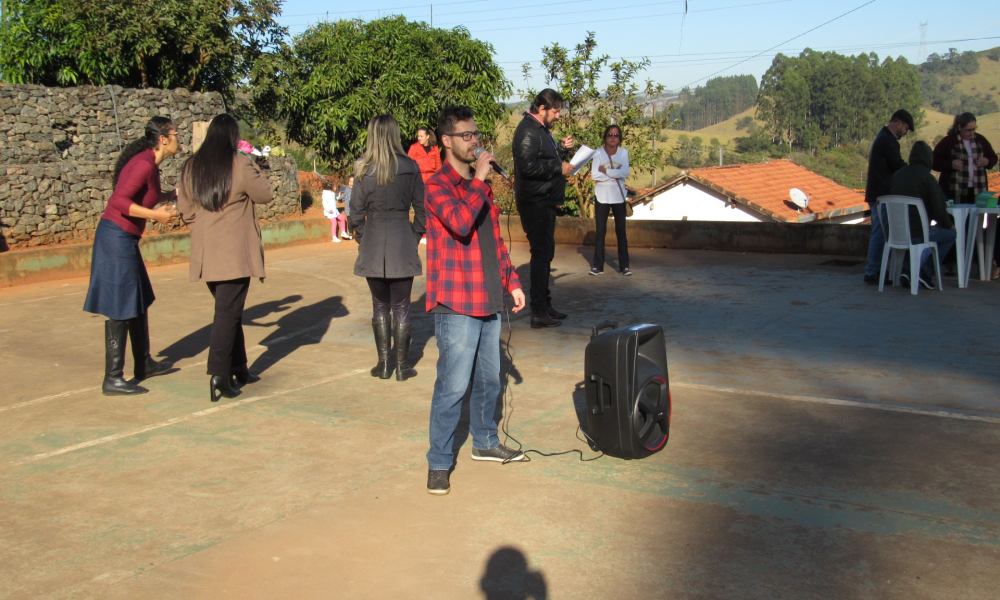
876,243
945,239
468,347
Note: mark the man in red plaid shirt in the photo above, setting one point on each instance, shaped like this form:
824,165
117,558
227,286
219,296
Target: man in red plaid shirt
468,269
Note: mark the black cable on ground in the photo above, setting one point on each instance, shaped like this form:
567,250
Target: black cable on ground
508,407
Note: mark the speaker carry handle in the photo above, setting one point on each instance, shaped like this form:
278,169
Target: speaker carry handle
607,324
601,404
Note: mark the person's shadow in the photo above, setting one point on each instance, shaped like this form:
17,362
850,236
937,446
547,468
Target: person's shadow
507,577
197,341
301,327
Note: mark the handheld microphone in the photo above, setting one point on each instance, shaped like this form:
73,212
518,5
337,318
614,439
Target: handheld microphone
493,163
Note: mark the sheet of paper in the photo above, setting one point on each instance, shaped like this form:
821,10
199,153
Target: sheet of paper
581,158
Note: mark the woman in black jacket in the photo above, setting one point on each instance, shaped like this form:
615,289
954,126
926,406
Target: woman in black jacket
387,184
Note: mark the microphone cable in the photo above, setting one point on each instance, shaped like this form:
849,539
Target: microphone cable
508,406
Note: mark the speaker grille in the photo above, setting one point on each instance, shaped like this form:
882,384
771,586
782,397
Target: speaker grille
651,415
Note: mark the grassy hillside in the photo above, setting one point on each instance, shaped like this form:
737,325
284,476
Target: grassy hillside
987,80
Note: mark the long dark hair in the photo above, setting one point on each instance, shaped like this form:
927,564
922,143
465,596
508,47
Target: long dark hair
155,127
960,122
209,171
431,138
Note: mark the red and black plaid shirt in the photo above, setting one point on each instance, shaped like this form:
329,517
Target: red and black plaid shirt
454,263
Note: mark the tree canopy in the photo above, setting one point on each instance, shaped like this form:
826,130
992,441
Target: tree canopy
333,78
720,99
590,108
825,99
201,45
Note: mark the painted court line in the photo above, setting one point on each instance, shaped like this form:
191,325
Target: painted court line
43,399
942,413
176,420
250,352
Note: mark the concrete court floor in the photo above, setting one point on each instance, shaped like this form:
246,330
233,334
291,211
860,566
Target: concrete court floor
828,441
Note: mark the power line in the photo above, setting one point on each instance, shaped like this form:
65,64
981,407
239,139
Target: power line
575,12
553,25
755,52
354,12
782,43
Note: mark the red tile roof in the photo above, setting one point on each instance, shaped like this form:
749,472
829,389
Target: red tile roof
764,187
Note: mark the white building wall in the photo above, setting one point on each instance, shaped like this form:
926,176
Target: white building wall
692,202
686,202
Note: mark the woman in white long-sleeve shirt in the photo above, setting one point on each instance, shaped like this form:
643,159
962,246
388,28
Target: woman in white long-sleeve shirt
609,172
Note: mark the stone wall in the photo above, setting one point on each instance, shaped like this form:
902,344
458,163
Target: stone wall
58,147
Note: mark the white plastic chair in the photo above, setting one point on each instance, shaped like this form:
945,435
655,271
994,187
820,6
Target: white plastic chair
898,241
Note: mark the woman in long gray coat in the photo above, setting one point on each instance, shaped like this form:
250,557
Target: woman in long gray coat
387,184
219,189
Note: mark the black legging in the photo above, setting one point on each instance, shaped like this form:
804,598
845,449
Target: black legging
391,293
601,216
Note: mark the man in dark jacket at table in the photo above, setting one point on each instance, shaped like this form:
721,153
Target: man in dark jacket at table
883,160
915,180
539,187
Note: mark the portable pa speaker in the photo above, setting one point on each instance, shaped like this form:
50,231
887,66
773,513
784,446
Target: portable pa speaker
627,390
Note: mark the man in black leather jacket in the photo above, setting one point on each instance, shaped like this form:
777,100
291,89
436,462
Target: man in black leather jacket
540,174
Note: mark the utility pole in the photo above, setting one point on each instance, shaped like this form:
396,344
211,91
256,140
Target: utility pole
720,156
432,16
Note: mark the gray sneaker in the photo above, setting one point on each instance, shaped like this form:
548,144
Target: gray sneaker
437,482
499,454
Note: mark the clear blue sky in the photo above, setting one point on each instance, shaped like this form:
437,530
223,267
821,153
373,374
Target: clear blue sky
688,49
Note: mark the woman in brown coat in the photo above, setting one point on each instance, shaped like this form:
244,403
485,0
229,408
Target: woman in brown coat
219,187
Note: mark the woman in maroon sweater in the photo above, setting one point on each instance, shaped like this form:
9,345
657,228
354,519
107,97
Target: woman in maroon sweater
963,157
119,285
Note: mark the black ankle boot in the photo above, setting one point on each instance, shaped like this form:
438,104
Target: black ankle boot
402,332
115,334
244,376
383,339
220,386
145,366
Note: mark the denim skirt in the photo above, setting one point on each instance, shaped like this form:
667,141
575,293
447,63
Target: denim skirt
119,284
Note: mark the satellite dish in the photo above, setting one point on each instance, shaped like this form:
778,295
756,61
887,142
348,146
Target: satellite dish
267,151
799,198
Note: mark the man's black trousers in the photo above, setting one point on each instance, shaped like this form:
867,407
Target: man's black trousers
227,348
539,223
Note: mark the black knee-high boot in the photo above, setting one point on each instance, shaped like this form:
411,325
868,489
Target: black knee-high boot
402,334
115,335
145,366
382,327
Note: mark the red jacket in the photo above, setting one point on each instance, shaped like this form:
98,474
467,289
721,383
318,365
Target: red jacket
138,183
454,263
429,162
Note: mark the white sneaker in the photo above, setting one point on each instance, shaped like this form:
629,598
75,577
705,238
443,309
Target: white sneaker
345,235
335,240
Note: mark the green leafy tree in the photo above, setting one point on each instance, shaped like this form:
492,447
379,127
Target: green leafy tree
201,45
590,108
336,76
823,99
720,99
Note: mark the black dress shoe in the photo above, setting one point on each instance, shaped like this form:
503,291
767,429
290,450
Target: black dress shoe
555,314
220,386
543,320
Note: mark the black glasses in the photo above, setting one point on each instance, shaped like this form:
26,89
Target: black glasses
467,135
617,135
